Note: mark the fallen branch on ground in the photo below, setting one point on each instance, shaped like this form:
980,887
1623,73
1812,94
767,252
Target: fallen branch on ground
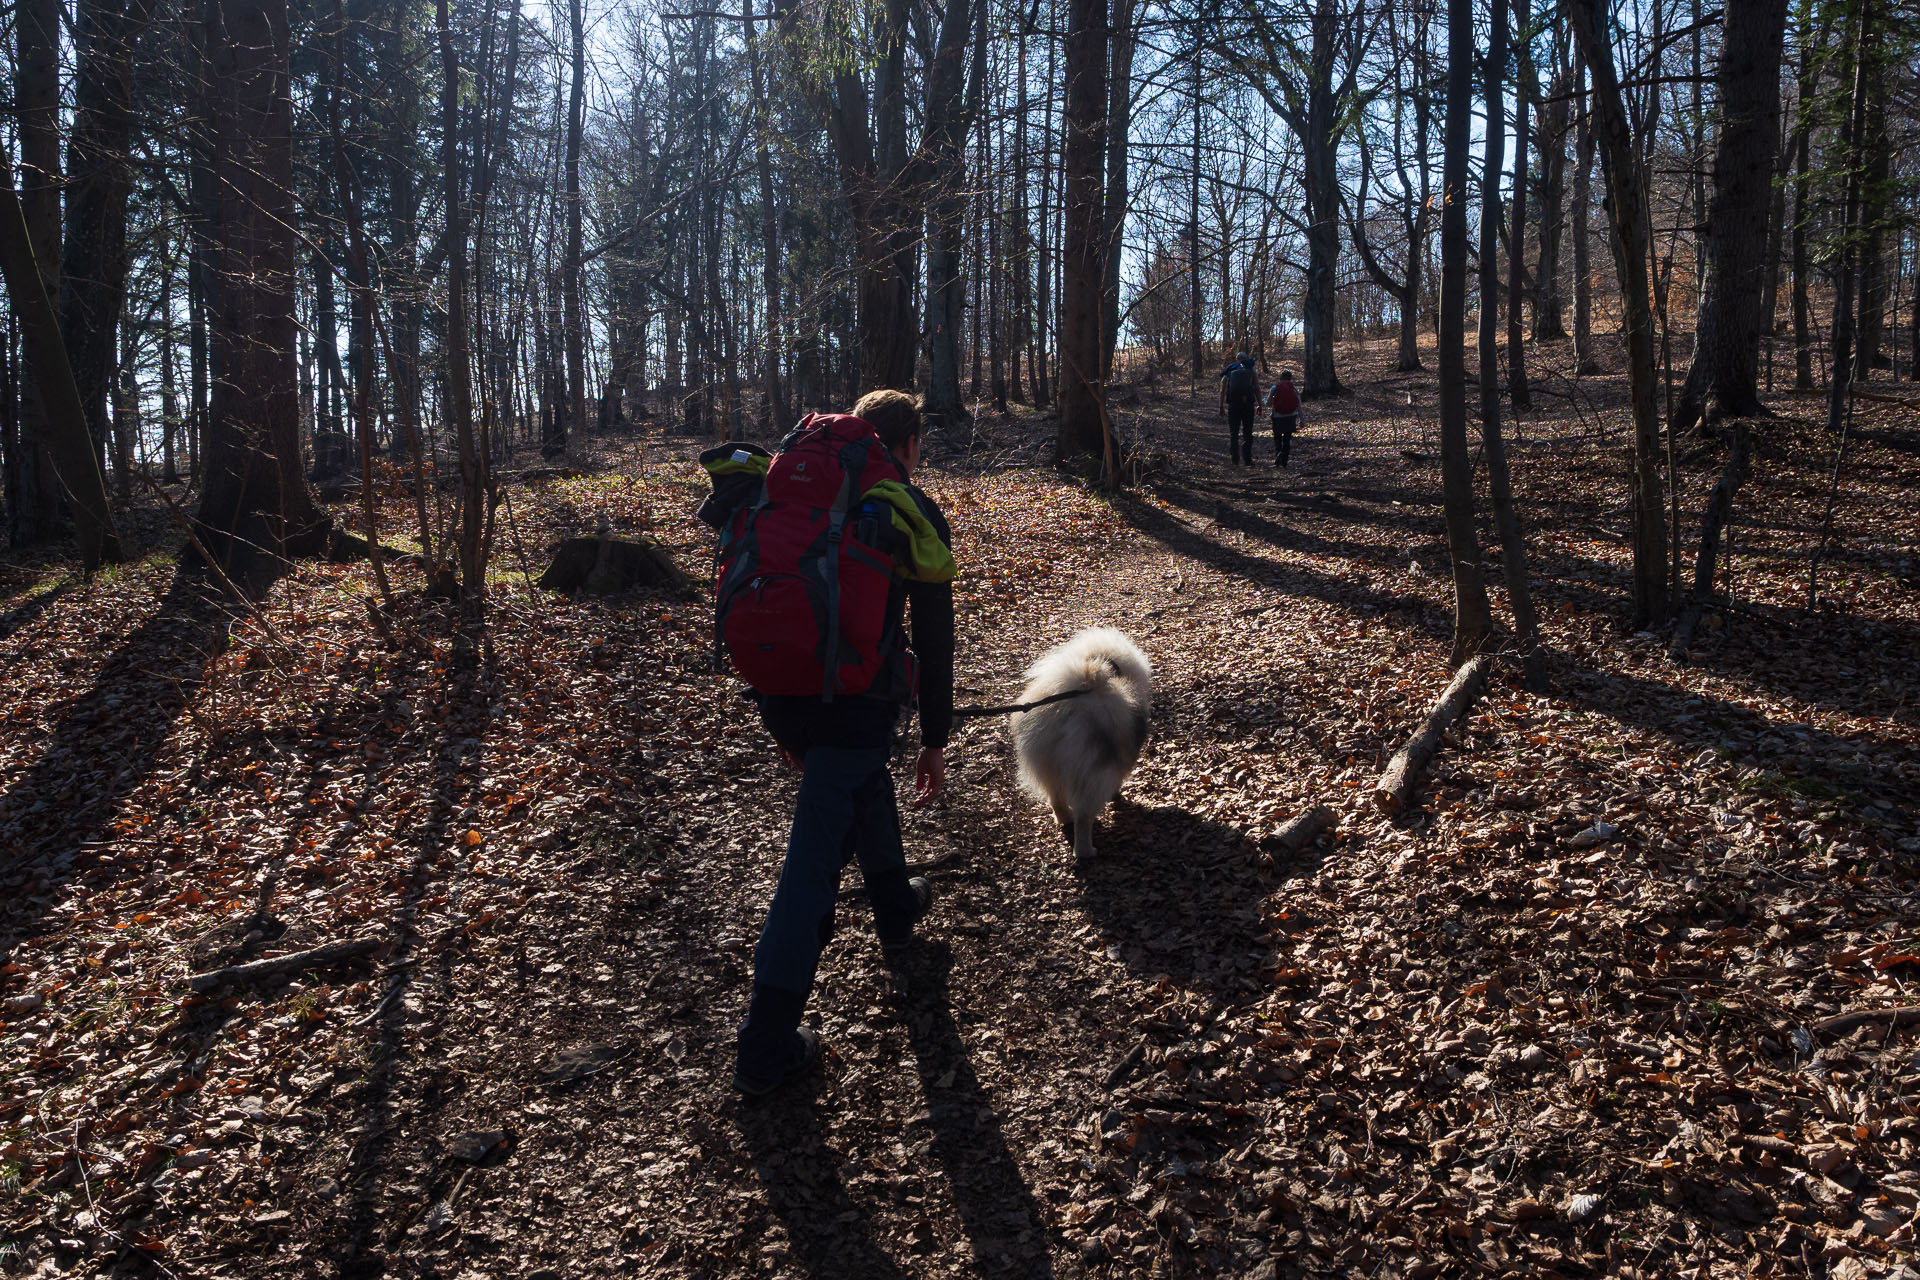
1303,829
1396,785
1842,1025
334,953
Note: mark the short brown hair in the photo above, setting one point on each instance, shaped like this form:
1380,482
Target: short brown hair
893,415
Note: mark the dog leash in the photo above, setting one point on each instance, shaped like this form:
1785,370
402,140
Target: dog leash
961,713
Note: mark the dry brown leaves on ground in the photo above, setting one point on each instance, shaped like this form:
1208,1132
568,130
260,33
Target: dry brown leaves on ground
1572,1016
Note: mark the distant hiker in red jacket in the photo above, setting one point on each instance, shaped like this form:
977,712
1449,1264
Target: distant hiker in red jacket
1285,404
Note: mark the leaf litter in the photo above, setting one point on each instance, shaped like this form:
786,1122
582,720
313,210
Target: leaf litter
1581,1012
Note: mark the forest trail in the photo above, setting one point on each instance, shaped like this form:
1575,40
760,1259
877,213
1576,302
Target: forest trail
1476,1039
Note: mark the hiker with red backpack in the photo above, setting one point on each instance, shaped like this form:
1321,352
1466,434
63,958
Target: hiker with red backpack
1239,392
827,553
1284,403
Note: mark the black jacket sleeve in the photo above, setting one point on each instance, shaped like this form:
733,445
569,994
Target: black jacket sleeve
930,610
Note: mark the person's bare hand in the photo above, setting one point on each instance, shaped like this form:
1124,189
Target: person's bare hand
789,759
929,775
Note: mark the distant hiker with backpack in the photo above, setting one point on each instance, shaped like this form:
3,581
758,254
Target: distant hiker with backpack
827,551
1284,402
1239,392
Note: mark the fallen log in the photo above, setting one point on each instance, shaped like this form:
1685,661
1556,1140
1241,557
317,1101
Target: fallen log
1303,829
1395,788
1842,1025
240,975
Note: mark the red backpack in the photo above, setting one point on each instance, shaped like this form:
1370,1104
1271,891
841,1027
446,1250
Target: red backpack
801,595
1284,399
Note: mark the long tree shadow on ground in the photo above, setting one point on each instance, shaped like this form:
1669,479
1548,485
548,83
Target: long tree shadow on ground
103,750
32,607
1290,579
365,1231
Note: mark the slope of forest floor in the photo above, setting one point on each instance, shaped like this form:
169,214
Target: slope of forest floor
1571,1016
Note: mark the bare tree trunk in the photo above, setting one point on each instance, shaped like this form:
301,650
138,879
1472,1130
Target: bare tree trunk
255,509
1320,180
777,406
575,420
360,304
1197,348
1628,212
1875,197
1802,322
949,118
1723,380
1555,119
1852,137
1043,302
1712,524
473,461
1082,412
1119,126
93,275
1583,357
1472,616
1506,521
33,490
169,377
62,425
1525,88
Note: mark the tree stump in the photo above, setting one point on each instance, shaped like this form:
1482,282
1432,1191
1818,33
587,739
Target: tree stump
605,564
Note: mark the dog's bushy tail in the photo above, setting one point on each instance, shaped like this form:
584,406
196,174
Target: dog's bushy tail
1092,660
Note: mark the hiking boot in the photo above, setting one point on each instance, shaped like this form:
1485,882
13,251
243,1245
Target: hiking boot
922,903
802,1056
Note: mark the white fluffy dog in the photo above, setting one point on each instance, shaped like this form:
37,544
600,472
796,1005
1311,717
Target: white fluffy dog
1075,753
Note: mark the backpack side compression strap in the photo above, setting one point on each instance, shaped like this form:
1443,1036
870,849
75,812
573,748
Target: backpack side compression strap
853,461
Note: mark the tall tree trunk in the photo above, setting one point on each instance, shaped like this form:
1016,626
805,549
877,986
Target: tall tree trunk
777,406
255,508
1584,361
169,376
1513,548
62,428
1724,378
33,482
1875,200
1081,432
93,275
1119,127
472,459
1195,343
948,119
1802,318
1526,88
361,303
1852,137
1320,181
1044,294
1472,616
126,419
1627,211
576,324
1020,236
1556,118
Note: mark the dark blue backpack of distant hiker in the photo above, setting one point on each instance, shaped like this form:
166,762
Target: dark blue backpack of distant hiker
1240,383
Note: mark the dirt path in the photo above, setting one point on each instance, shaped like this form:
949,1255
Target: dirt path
1476,1039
